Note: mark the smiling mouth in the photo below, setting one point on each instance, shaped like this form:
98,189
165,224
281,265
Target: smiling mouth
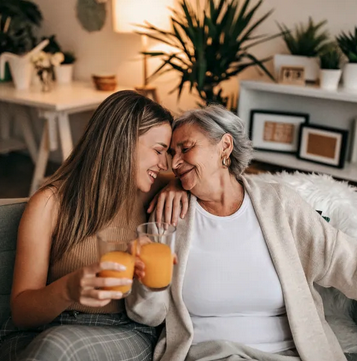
183,174
152,175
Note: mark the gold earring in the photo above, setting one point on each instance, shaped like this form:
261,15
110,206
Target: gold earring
226,161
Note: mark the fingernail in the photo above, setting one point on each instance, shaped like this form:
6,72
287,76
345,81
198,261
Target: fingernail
121,268
117,295
174,224
128,282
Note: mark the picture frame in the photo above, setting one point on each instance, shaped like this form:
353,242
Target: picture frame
292,75
354,142
276,131
323,145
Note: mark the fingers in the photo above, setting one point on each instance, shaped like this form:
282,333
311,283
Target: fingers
184,202
160,207
101,282
95,268
152,204
175,211
102,295
91,302
168,207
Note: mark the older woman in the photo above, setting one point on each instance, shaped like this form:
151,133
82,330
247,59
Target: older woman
249,254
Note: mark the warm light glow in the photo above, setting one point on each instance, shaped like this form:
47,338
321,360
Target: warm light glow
127,13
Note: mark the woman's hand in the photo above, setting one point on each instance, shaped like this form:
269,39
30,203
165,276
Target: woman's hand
171,202
83,286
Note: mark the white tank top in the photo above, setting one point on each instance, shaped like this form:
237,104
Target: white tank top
231,288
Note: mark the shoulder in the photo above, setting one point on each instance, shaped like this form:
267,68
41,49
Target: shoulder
43,206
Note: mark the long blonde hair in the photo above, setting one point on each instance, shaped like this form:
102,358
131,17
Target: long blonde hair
98,178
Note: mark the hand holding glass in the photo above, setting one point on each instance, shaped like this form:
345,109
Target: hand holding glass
156,250
113,246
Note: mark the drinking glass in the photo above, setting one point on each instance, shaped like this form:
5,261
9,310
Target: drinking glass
113,246
156,246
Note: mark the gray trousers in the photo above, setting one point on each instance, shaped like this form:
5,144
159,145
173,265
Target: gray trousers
231,351
77,336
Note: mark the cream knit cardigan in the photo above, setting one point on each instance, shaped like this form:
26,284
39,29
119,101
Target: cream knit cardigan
305,250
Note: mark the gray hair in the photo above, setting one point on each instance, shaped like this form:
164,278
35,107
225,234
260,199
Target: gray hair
215,121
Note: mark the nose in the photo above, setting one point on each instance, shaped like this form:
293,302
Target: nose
176,161
163,162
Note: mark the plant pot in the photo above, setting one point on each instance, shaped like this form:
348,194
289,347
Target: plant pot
349,76
311,65
64,73
329,78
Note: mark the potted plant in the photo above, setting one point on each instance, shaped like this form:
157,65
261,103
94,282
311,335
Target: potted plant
18,18
211,45
348,45
64,71
330,72
305,44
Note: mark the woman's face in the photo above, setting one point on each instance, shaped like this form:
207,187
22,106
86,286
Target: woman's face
195,160
151,155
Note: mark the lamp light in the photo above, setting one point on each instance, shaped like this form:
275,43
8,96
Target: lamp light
128,14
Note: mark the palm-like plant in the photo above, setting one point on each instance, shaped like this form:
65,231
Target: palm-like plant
307,40
348,45
211,45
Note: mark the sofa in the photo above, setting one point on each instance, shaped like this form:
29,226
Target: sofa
336,200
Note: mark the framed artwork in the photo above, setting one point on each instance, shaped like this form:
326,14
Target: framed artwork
354,142
293,75
276,131
323,145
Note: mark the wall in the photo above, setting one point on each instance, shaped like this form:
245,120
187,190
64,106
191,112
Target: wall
106,51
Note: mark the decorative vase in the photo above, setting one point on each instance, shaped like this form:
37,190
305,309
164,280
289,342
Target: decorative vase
329,78
311,65
64,73
349,76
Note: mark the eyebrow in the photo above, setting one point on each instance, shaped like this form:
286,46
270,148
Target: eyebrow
180,144
162,144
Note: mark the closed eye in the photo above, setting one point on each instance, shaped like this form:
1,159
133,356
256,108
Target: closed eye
184,150
157,151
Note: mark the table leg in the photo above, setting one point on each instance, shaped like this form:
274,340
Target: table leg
42,158
5,121
27,132
65,135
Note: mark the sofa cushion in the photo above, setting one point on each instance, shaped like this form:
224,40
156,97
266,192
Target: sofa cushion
10,215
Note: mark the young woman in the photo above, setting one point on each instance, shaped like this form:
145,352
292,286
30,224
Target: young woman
58,308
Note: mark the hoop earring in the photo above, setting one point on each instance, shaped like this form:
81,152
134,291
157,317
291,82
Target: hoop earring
226,162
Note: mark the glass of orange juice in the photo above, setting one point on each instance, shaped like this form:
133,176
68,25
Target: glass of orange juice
113,246
157,244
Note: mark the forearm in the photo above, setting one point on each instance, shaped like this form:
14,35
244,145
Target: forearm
33,308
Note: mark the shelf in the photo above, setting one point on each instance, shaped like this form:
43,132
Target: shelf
313,91
349,172
11,144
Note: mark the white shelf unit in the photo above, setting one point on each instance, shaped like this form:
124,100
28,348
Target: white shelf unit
336,109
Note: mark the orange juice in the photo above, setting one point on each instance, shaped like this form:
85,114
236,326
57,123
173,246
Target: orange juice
124,259
158,261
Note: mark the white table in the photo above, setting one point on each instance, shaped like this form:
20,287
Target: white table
55,107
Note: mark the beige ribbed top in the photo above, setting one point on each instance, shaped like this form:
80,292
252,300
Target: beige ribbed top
86,253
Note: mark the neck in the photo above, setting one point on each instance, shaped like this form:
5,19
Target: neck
222,197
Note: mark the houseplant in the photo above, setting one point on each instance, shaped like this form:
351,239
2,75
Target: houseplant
305,44
211,45
64,71
348,45
330,71
18,18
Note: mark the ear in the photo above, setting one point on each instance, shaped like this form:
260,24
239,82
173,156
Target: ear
227,144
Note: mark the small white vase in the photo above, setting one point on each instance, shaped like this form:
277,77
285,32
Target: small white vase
349,76
329,78
64,73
